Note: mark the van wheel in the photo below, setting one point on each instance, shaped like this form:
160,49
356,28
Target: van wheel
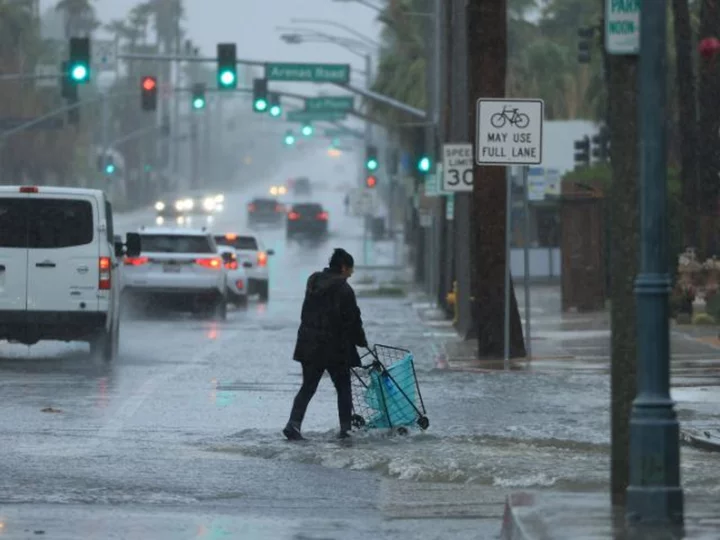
105,346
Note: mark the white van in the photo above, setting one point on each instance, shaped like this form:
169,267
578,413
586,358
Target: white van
59,267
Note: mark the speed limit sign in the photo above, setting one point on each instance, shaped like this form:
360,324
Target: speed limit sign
458,166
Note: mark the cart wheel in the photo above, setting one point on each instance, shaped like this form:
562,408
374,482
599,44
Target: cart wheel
423,422
402,431
357,421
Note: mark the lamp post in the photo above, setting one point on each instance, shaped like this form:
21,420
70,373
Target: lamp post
654,496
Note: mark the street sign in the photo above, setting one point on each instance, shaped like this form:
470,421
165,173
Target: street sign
104,55
450,207
49,76
314,116
458,167
536,183
336,73
431,185
362,202
509,131
552,182
622,27
338,103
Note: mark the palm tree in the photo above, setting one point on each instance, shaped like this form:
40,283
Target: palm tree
80,17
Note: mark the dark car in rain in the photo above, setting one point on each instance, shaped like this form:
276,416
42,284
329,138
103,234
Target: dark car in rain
265,211
307,220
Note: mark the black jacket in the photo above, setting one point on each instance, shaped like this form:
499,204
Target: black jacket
331,325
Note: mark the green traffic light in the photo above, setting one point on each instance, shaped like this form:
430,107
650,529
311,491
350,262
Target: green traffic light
424,164
307,130
227,78
275,110
79,72
372,164
198,103
109,168
289,139
261,105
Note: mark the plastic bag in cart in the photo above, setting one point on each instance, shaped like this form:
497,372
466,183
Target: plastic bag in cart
384,394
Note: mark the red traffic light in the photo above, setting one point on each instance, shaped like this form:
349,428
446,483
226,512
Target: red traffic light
371,181
149,83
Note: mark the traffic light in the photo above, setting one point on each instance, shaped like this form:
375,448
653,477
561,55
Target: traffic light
106,164
582,152
585,35
198,96
227,66
307,130
275,107
260,97
371,160
289,138
148,92
69,90
79,64
601,145
424,164
371,181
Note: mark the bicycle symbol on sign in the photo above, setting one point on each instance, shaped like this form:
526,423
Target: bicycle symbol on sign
510,115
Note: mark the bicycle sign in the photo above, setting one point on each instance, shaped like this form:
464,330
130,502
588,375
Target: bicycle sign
509,131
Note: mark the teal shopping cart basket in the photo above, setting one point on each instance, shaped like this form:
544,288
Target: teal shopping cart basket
386,394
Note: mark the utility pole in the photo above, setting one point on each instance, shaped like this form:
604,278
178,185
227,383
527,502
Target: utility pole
428,233
459,133
654,496
447,256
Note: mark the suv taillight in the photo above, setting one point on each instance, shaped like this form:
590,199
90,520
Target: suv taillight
262,258
292,216
232,265
209,263
136,261
105,280
322,216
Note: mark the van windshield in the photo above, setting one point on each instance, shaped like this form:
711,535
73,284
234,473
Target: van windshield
175,243
45,223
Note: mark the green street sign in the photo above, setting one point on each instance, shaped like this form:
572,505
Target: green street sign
334,133
314,116
337,73
338,103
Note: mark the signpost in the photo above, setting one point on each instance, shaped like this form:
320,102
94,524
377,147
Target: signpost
458,167
334,73
450,207
337,103
314,116
510,132
622,27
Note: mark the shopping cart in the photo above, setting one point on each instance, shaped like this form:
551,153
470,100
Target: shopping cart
386,394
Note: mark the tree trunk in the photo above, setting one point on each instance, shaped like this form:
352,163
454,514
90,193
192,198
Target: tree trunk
687,119
487,46
709,123
625,250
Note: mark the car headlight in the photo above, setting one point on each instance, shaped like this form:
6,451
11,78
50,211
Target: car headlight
209,204
159,220
282,190
274,190
159,206
180,206
220,198
189,204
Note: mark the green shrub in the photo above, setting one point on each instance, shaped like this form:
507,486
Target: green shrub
712,306
703,319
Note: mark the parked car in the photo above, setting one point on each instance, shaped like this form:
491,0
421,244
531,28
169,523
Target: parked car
178,269
250,249
58,267
307,220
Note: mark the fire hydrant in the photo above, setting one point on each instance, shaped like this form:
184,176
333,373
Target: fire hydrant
451,299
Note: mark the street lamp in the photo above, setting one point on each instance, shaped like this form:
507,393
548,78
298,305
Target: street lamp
325,22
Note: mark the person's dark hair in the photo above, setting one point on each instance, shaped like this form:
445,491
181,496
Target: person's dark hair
341,258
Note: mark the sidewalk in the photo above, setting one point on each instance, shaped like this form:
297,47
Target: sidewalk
577,345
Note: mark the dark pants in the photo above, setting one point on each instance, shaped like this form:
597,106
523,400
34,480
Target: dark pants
312,374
